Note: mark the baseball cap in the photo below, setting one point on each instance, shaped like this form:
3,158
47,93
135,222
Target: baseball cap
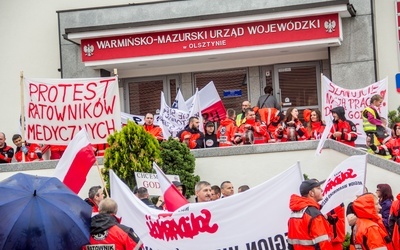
308,185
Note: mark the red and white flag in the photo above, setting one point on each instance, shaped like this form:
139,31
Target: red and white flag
211,105
172,197
76,162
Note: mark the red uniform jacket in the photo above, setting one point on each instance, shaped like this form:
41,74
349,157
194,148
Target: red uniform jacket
349,132
226,132
34,153
307,227
155,130
6,151
260,132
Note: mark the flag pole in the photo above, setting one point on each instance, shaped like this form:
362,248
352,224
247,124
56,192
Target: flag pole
365,175
21,83
102,179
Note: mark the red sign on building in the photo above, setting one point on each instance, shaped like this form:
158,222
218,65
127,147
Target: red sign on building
212,38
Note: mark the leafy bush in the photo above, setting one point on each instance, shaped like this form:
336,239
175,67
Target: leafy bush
177,160
394,117
130,150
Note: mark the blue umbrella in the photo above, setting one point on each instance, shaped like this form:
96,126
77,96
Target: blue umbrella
41,213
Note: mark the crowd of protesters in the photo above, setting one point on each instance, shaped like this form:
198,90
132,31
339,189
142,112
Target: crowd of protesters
261,124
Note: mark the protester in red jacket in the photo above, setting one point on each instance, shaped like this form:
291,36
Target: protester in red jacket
338,226
6,152
253,132
392,147
314,124
307,227
31,151
394,223
149,127
106,230
342,129
227,129
292,128
191,135
369,231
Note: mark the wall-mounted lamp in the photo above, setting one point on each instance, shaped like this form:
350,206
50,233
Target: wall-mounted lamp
351,10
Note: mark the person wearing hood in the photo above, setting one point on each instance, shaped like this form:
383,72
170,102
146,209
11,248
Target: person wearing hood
394,223
342,130
191,135
227,130
307,226
369,231
391,148
106,230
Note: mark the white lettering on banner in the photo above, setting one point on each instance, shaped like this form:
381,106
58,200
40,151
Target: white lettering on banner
354,101
216,33
57,109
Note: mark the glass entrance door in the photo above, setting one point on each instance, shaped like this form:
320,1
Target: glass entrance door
297,85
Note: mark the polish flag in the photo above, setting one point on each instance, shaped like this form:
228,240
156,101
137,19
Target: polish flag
172,197
211,105
76,162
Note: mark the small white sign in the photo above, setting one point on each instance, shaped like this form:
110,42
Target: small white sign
150,181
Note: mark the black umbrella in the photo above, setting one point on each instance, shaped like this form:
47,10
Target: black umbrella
41,213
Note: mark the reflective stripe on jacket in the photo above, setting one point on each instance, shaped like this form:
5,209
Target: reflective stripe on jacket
368,127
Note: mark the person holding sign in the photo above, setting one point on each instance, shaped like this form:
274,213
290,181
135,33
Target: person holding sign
373,124
343,130
307,226
31,151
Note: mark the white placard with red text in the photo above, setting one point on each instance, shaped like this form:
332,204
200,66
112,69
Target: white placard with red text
354,102
345,182
255,219
150,181
57,109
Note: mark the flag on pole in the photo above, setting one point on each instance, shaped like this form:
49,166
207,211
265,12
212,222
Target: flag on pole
76,162
172,197
179,102
324,136
195,110
345,182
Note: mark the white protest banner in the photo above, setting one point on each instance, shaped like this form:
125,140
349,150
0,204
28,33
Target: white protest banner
212,108
171,120
255,219
57,109
195,110
150,181
179,102
354,102
345,182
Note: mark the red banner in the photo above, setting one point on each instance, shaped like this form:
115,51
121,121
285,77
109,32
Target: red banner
212,38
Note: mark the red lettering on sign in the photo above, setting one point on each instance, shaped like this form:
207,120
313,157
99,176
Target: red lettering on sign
186,226
339,179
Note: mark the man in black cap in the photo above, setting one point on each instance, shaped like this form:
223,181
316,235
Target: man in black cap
308,228
181,187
